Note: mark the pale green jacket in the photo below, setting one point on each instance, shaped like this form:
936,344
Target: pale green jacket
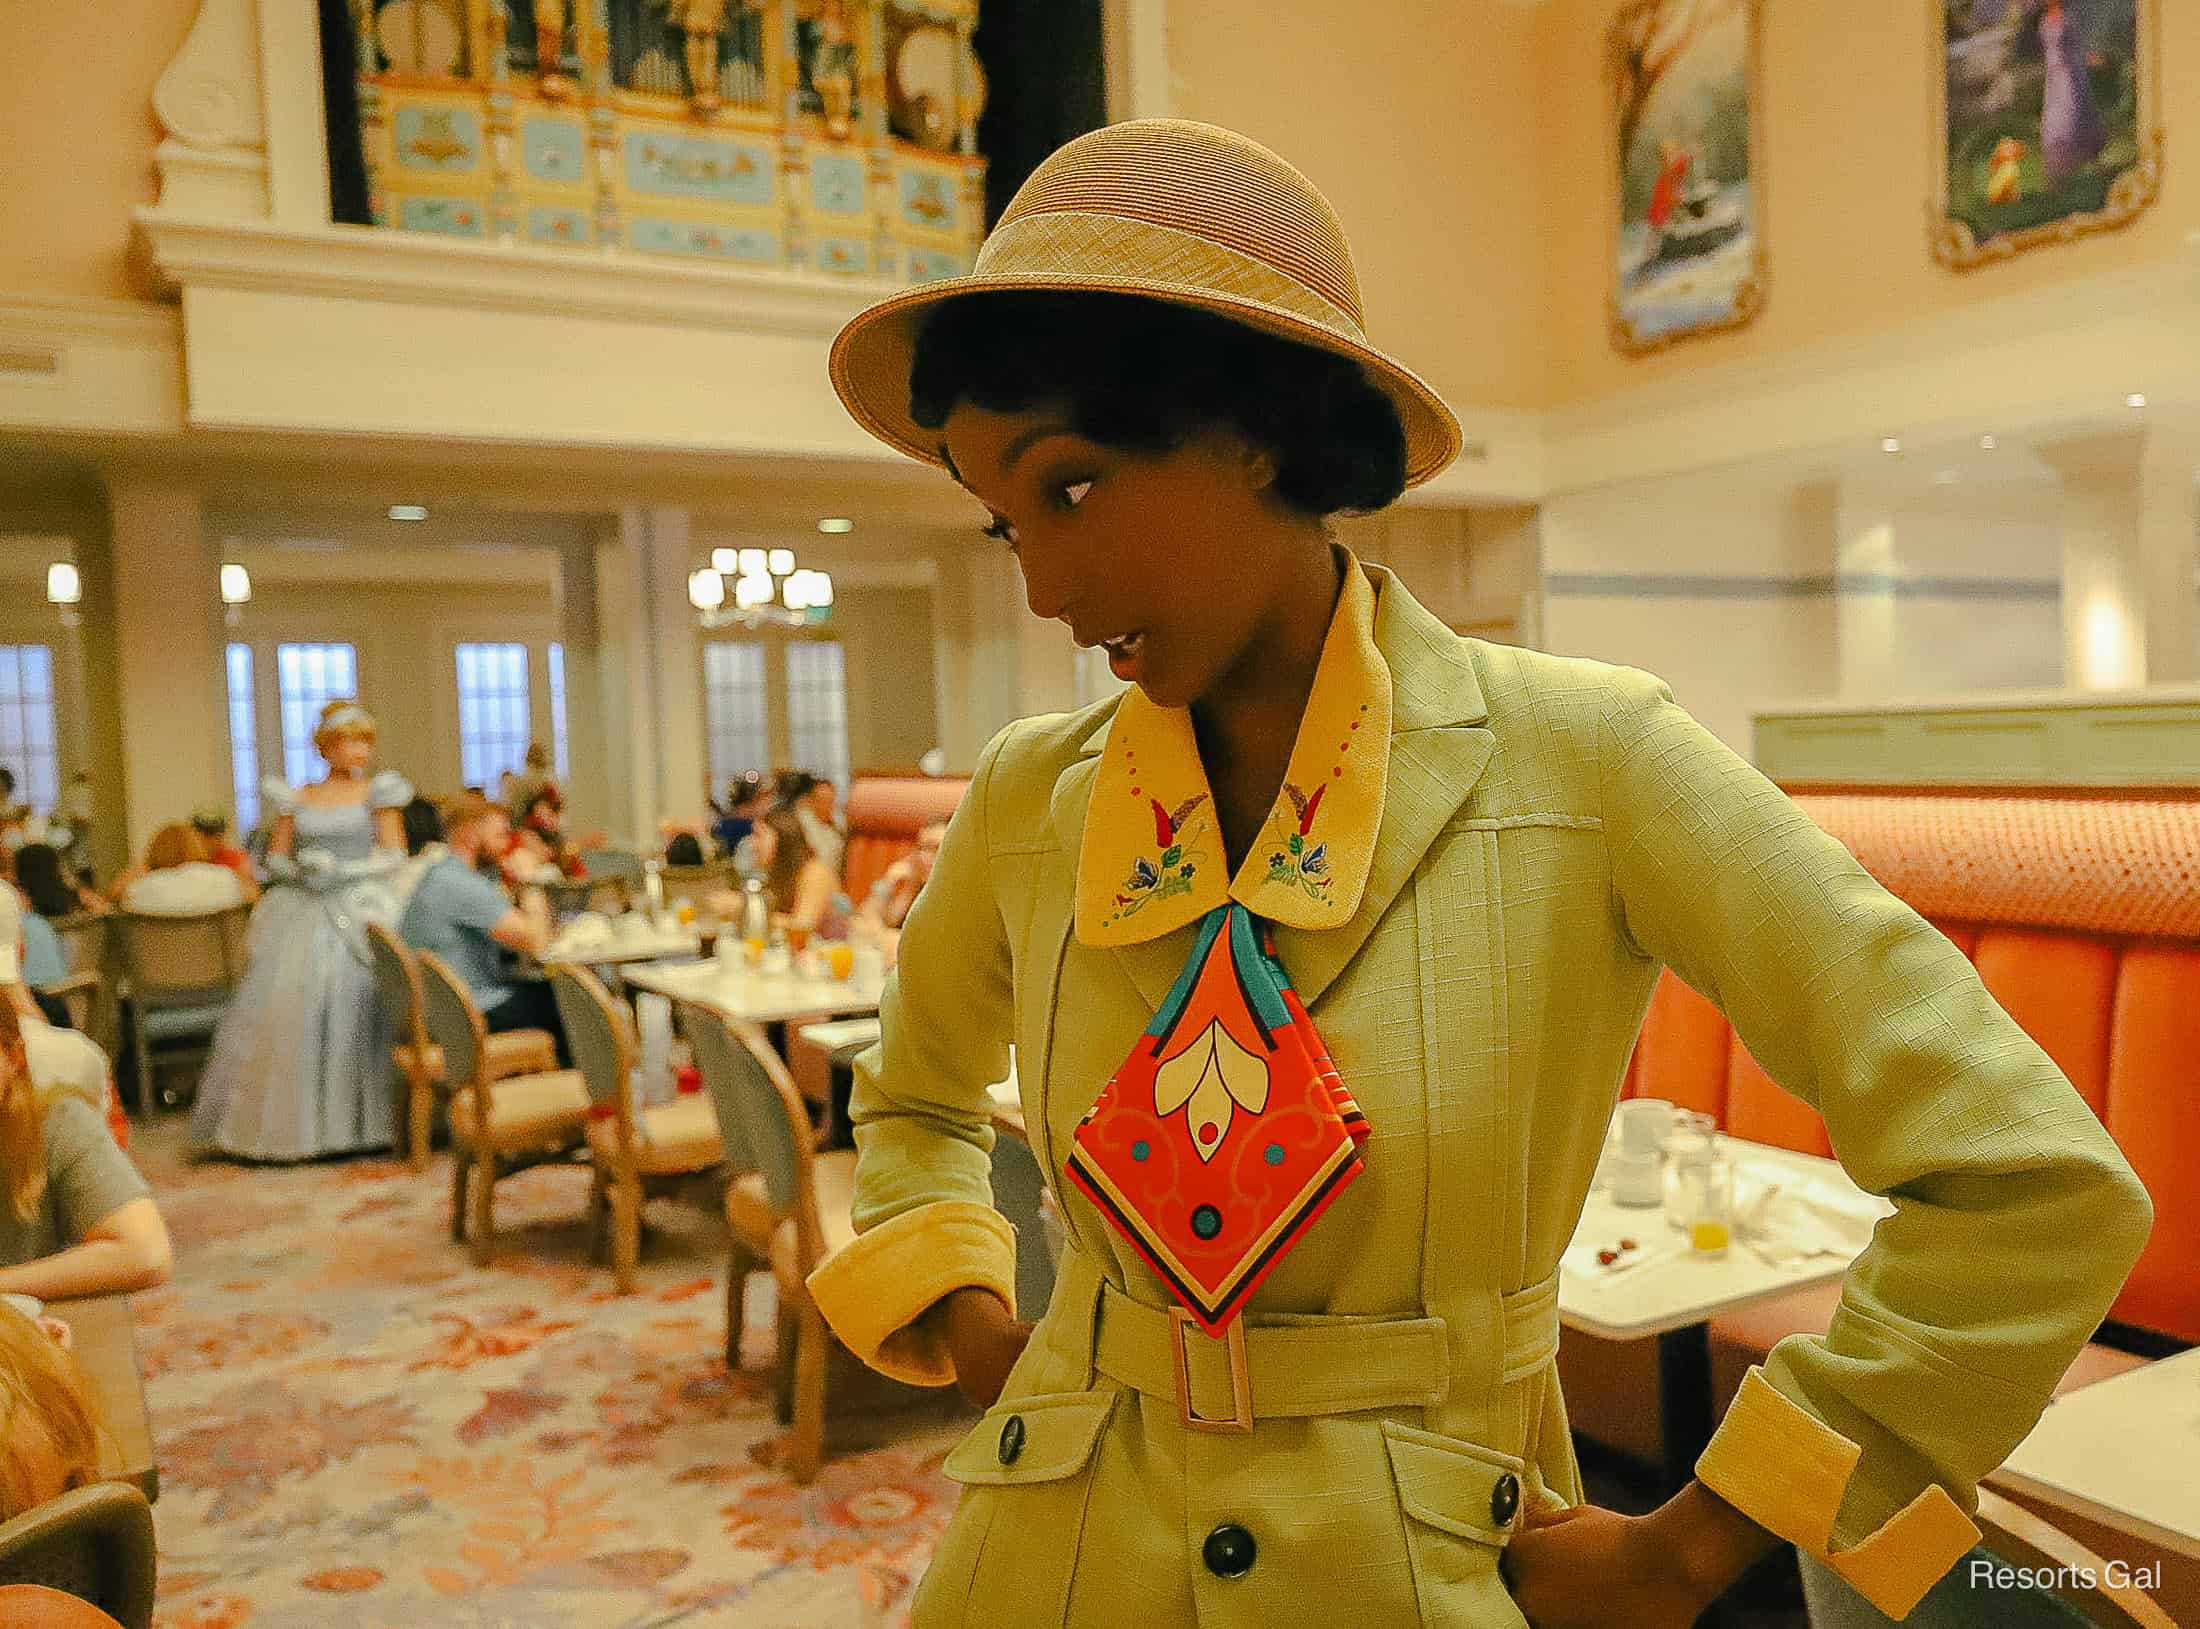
1554,831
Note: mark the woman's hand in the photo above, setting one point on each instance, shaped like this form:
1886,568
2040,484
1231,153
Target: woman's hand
984,1338
1587,1568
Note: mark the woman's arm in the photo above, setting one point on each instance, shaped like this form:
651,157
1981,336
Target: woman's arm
923,1123
282,839
813,897
2016,1217
389,829
128,1250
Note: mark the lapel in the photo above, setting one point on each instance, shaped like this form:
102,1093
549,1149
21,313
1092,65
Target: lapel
1439,746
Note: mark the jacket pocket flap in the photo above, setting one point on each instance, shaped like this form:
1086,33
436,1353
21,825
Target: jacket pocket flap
1456,1487
1032,1439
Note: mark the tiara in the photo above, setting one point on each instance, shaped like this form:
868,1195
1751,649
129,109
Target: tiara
349,716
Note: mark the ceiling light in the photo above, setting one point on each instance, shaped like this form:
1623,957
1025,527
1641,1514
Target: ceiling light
706,590
821,589
753,562
1987,443
2136,399
63,585
1890,444
408,511
781,561
834,525
725,561
796,591
1947,477
751,592
236,584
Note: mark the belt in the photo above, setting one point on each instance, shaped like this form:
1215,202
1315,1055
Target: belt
1290,1370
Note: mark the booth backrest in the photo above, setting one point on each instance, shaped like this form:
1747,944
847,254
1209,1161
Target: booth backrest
2082,917
885,813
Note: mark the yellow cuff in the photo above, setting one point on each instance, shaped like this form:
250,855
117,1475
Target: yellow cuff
874,1291
1786,1469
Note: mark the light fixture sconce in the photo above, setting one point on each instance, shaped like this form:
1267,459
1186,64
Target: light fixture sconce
236,592
64,589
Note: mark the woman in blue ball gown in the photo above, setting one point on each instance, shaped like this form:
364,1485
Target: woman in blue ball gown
301,1062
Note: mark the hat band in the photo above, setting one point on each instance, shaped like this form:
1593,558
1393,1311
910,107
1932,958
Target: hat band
1081,249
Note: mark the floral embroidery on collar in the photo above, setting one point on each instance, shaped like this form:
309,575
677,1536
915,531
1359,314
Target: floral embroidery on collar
1153,858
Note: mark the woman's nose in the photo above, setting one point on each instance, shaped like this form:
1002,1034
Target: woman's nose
1047,592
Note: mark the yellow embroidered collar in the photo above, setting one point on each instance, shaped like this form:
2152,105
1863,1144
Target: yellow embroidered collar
1153,859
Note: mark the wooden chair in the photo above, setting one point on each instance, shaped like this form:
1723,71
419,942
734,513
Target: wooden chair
696,883
2024,1539
787,1207
419,1061
95,1543
34,1606
499,1125
181,970
86,950
637,1153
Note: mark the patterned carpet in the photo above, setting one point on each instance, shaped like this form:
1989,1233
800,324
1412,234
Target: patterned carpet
358,1429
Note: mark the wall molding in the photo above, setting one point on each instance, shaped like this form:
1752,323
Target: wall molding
1615,585
74,363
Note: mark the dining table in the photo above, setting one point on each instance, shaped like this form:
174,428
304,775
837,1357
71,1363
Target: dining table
753,996
620,949
103,1336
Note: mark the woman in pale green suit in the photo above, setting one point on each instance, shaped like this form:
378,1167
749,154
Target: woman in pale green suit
1157,381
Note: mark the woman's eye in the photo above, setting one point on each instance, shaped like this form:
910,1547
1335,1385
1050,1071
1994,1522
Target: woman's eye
1001,531
1073,493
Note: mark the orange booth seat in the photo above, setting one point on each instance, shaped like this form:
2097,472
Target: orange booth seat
885,813
2082,917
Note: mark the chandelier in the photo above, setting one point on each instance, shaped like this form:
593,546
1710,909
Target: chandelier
767,589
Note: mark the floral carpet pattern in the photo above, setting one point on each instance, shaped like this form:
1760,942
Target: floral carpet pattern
359,1429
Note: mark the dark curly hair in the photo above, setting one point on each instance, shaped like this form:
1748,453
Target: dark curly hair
1146,375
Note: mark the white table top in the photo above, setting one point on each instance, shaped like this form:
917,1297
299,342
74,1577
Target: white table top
754,998
2121,1452
1682,1288
840,1032
618,949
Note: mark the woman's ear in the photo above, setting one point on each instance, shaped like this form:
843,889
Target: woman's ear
1260,467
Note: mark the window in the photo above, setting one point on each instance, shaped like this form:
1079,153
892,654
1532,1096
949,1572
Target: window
308,678
244,754
817,709
557,713
492,712
733,694
26,724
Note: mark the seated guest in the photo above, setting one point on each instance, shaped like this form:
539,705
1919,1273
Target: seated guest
49,1432
813,800
530,783
53,893
422,821
802,892
60,1058
684,848
542,818
746,800
213,829
470,922
177,879
886,907
75,1216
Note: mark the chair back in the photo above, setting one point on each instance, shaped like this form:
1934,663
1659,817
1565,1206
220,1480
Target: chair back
397,980
601,1035
454,1023
34,1606
762,1123
696,882
95,1543
183,961
599,864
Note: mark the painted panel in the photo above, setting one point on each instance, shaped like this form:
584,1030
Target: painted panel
556,149
551,224
928,200
928,265
444,140
836,184
456,217
746,245
698,167
841,255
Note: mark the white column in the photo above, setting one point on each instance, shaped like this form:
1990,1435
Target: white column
622,679
676,666
2169,553
1136,58
2104,587
588,782
1867,651
164,576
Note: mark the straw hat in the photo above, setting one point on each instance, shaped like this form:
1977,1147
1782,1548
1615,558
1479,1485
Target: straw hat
1173,210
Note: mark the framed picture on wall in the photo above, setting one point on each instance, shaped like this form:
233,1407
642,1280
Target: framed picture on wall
1687,249
2046,121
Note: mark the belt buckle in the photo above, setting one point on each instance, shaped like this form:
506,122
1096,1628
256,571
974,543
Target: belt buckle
1240,1423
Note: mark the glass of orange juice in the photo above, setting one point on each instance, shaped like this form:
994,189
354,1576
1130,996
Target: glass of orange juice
841,958
797,939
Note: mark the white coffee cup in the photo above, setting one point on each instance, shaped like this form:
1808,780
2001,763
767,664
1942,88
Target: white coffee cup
1644,1123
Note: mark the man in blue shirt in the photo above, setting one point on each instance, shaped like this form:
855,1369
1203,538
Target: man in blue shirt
467,919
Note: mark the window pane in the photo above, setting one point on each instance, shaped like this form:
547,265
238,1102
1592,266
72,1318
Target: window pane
740,730
492,712
27,724
308,678
244,756
817,708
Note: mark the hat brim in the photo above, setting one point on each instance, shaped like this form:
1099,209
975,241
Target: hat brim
871,359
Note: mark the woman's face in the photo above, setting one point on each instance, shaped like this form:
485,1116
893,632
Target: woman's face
349,754
1152,555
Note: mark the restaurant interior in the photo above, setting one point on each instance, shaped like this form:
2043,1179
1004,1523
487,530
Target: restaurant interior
431,396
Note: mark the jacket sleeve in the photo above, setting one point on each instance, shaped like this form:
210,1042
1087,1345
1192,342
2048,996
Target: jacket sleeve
2016,1219
924,1213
